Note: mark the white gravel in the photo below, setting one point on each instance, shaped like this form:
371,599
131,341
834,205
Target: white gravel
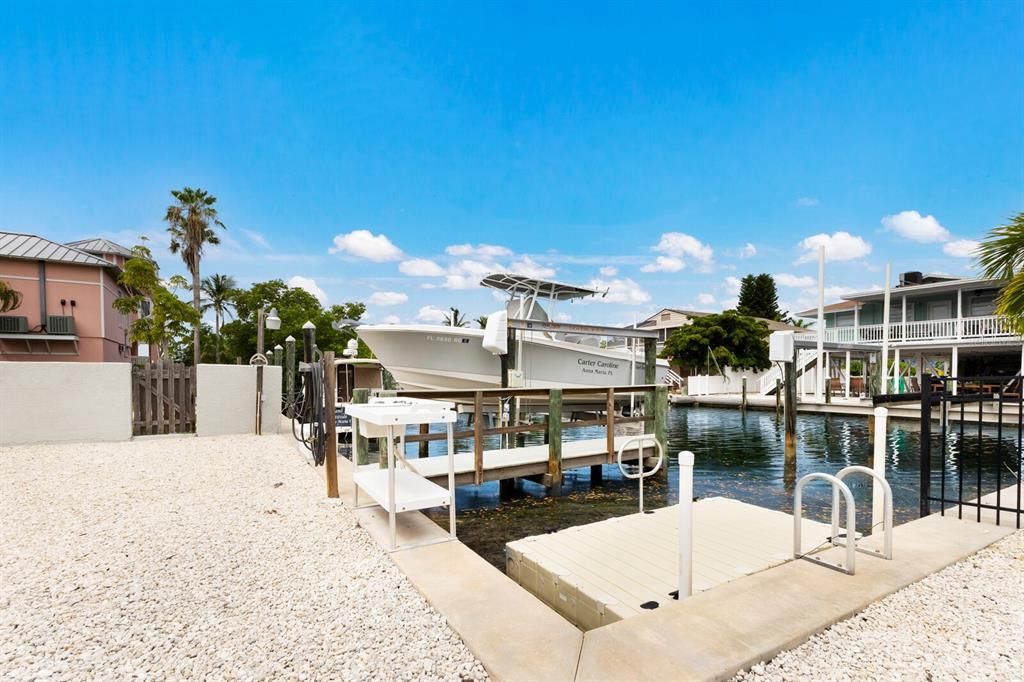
963,623
186,557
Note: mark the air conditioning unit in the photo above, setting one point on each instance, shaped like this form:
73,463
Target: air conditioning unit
60,324
13,324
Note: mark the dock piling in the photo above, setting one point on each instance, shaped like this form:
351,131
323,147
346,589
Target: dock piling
478,437
331,449
790,419
743,397
554,432
778,397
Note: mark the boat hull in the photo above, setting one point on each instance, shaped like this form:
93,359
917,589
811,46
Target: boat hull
424,357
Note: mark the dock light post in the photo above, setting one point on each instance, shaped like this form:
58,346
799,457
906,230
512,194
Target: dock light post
272,322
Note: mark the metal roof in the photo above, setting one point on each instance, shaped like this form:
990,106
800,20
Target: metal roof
31,247
529,286
100,245
964,284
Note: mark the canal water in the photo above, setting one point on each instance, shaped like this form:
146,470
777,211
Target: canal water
737,455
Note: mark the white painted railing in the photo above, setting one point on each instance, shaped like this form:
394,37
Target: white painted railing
986,327
767,382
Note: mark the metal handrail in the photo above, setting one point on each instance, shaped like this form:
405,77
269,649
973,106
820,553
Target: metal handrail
641,474
887,512
851,522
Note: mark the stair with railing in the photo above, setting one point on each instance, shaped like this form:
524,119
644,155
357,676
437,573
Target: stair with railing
805,360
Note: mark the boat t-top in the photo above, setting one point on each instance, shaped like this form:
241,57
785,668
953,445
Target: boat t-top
437,357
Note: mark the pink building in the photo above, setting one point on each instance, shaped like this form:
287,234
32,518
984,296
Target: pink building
68,290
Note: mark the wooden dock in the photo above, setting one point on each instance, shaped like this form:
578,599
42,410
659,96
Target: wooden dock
607,571
521,462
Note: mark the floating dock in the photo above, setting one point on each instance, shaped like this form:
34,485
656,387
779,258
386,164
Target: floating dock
531,460
611,570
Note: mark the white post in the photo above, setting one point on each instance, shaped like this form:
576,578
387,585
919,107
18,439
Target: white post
885,330
954,370
821,321
685,524
903,323
896,370
959,313
856,323
878,464
848,375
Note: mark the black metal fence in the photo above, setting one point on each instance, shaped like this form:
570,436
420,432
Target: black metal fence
980,438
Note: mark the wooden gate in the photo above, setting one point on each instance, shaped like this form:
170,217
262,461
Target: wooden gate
162,400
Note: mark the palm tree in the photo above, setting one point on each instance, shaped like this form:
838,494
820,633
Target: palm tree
1001,256
482,321
220,298
455,319
191,222
9,298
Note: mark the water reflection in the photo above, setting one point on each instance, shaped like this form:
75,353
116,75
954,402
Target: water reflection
738,456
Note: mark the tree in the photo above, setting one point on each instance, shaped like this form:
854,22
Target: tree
734,340
295,307
1001,256
759,297
191,222
9,298
169,317
220,292
481,321
455,319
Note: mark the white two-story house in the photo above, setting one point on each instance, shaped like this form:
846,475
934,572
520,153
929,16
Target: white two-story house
938,324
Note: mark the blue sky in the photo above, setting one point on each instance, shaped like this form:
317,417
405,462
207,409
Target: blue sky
657,151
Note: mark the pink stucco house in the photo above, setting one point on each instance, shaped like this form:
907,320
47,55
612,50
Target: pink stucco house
68,290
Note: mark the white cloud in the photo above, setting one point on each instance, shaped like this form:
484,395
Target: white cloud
486,251
563,317
788,280
310,285
748,251
388,298
805,202
912,225
732,285
257,238
609,271
420,267
467,273
365,244
682,245
429,313
619,291
839,246
392,319
961,248
664,264
528,267
705,299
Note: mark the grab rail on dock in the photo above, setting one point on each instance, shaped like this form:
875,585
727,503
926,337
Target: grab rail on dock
654,414
886,552
641,474
851,522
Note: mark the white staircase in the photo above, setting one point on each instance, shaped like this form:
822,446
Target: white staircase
805,360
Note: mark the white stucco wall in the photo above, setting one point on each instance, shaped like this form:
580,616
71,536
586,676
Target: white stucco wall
65,401
226,399
732,382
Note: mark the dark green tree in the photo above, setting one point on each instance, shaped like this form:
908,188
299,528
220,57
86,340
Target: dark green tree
169,320
734,340
295,307
759,297
481,321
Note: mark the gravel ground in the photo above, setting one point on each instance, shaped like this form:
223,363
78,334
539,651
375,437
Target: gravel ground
186,557
963,623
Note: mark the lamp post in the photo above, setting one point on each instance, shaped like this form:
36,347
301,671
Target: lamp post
272,322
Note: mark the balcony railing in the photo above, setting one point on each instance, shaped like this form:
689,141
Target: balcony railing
967,328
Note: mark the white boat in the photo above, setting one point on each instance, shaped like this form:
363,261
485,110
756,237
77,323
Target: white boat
436,357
